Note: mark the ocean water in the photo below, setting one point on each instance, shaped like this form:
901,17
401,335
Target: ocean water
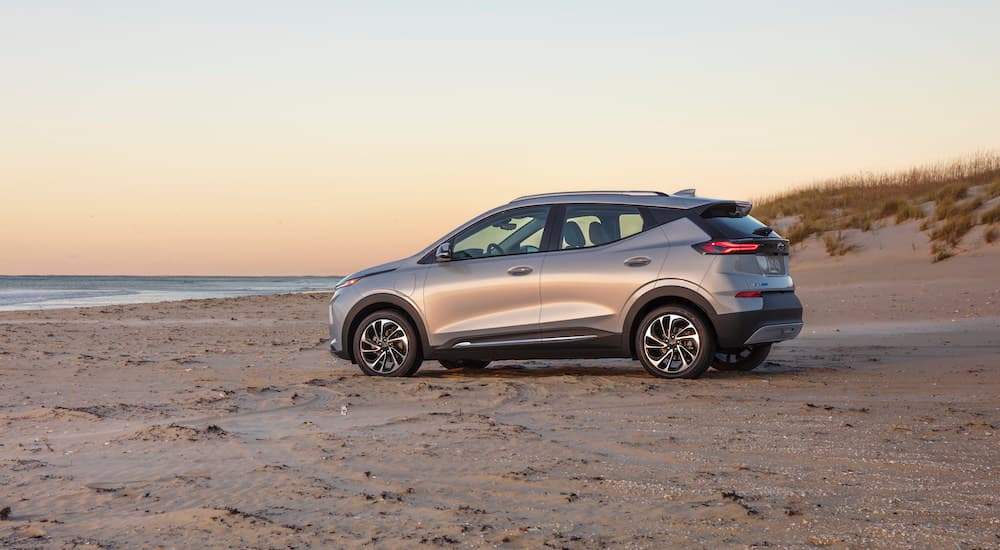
46,292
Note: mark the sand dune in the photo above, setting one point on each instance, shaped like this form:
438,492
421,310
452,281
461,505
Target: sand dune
890,277
218,424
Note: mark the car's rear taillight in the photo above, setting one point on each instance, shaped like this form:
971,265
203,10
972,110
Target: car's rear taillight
750,294
726,247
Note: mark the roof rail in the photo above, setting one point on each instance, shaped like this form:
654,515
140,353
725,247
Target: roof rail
565,193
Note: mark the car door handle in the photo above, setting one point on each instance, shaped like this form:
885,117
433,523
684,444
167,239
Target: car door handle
519,270
637,261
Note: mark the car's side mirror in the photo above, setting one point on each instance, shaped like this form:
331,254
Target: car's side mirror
443,253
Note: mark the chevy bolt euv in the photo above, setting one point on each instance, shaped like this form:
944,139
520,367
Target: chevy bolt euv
679,282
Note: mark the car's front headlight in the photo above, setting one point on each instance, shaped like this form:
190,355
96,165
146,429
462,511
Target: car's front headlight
346,283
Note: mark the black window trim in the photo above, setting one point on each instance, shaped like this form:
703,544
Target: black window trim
553,228
669,215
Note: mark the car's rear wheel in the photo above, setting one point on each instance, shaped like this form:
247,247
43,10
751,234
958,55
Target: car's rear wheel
469,364
386,344
745,359
675,342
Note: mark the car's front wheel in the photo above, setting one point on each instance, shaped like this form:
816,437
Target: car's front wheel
745,359
386,344
675,342
469,364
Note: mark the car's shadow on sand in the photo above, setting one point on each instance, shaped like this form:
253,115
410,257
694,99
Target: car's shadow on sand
504,371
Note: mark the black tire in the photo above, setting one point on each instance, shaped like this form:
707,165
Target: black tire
746,359
468,364
386,333
686,339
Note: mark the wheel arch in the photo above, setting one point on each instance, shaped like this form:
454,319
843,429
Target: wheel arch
661,296
373,303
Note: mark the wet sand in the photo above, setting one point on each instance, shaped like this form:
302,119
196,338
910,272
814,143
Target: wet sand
225,423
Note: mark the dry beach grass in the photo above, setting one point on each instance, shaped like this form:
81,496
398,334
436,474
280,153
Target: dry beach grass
951,199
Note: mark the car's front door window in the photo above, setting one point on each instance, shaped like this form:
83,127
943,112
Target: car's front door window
515,232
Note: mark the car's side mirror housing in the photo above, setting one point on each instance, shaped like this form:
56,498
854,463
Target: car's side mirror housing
443,253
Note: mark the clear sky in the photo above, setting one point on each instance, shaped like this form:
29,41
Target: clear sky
243,137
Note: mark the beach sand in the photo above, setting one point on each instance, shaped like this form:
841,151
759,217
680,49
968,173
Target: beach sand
221,423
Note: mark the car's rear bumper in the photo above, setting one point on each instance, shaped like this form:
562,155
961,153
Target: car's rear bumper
779,319
774,333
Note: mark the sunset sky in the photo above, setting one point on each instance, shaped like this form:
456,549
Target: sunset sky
240,137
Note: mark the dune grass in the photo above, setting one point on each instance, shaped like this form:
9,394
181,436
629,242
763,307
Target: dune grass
901,210
991,216
837,245
867,200
941,252
953,229
946,210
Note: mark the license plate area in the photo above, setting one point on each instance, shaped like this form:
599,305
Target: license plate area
772,265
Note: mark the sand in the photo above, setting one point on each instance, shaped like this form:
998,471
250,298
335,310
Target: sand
222,423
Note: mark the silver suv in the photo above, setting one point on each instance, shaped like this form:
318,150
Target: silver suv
679,282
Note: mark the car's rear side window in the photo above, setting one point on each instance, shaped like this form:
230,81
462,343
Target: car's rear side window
631,223
589,225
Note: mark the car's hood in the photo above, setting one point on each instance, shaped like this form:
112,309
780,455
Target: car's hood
381,268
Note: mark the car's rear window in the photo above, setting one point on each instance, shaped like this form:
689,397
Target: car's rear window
732,223
736,228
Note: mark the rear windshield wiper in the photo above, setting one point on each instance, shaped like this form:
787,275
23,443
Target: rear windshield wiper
763,231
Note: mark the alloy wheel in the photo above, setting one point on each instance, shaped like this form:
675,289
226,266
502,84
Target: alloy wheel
671,343
384,346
